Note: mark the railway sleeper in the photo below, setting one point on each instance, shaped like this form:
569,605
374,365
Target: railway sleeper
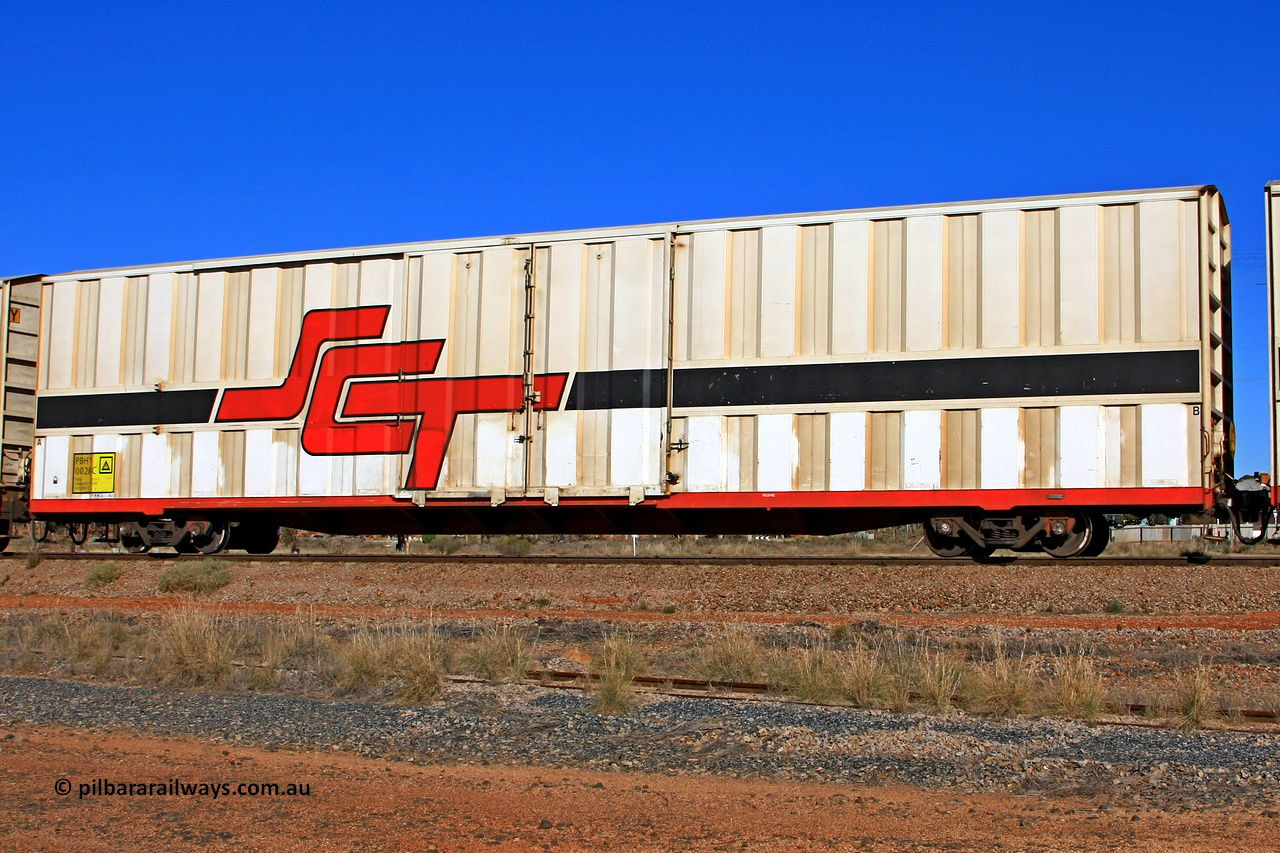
1070,534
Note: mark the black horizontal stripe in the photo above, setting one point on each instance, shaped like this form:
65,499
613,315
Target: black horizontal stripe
144,408
994,377
917,380
618,389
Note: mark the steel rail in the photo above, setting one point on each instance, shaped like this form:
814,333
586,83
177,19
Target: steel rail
578,559
746,690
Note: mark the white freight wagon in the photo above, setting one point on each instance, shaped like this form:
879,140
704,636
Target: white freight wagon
1002,370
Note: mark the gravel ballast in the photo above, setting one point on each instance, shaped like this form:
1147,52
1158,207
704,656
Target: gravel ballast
530,725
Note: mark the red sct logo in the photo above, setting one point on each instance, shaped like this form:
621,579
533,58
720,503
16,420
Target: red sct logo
401,409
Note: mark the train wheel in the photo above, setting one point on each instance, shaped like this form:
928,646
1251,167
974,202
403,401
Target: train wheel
78,532
948,546
133,542
4,535
255,538
213,541
1074,542
1101,537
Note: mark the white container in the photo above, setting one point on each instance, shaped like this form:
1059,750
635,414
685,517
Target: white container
1037,352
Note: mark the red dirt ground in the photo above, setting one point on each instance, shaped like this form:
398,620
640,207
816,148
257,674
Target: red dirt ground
374,805
368,804
957,594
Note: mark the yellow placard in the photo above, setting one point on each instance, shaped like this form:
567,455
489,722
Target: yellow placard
93,473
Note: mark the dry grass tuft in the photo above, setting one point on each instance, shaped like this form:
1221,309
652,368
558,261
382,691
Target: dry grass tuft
362,663
407,663
1195,705
442,544
198,578
1008,687
196,649
900,666
814,674
1271,702
298,643
500,655
420,660
513,546
613,695
733,656
937,680
867,684
102,575
1076,688
297,656
619,653
616,661
49,635
96,642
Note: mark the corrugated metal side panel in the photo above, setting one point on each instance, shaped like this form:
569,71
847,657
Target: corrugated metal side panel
848,451
884,450
814,451
813,300
1050,279
1215,327
743,306
286,324
590,235
1119,264
1082,446
21,351
1272,198
1001,279
1040,448
850,248
888,273
128,449
1124,450
741,453
600,306
961,449
1082,275
1040,278
1077,277
173,330
235,326
84,338
182,326
962,293
133,349
922,449
485,294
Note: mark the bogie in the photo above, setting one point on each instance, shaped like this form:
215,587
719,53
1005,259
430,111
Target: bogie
1069,534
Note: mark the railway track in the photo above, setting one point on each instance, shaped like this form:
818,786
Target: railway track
739,691
746,690
543,559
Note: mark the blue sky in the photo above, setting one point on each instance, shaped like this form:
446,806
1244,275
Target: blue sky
141,132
